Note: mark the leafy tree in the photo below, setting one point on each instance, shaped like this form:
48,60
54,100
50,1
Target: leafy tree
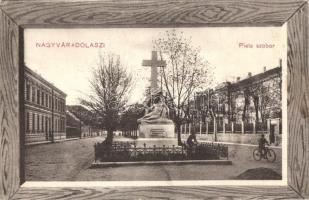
130,116
110,89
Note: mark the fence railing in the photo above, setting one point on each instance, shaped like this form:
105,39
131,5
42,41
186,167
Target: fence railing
124,152
237,128
261,127
220,128
248,128
130,133
228,128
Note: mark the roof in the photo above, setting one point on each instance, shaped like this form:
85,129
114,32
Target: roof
72,120
247,81
81,113
39,77
258,77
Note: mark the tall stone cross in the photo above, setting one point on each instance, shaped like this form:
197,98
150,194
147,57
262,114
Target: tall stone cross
154,63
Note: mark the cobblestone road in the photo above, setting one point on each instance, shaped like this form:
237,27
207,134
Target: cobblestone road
70,161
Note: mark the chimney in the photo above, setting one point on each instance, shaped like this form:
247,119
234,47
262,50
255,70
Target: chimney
238,79
280,62
264,69
249,74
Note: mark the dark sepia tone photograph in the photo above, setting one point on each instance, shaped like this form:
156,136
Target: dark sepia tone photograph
154,99
155,104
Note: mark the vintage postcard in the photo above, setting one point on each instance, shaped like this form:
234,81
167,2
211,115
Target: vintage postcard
155,106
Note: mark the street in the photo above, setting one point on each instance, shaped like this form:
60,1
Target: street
71,161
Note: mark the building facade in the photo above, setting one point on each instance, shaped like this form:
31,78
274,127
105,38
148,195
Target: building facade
45,116
248,106
81,122
253,99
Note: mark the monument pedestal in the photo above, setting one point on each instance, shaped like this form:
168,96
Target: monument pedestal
156,130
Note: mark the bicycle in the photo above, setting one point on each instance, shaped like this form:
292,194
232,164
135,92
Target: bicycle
270,154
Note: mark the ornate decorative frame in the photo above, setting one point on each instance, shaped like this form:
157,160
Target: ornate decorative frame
16,15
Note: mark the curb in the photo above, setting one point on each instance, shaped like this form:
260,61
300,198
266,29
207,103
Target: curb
178,162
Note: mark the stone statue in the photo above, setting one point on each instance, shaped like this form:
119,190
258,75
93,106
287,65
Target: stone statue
157,115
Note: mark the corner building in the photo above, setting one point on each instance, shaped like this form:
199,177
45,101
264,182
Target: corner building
45,116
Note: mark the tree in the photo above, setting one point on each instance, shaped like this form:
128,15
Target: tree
110,86
270,99
186,72
130,116
266,97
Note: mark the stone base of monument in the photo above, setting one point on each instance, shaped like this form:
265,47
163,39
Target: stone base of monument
156,130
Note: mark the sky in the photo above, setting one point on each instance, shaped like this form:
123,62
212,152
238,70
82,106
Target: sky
70,68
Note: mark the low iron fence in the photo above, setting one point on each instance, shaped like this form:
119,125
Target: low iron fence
124,152
210,128
261,127
228,128
248,127
220,128
237,128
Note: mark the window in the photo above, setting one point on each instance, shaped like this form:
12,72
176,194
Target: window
43,95
38,123
63,124
42,123
33,122
46,100
56,125
38,96
28,92
56,104
49,101
27,121
47,124
33,94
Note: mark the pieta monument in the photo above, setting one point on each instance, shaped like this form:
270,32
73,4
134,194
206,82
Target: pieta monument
155,123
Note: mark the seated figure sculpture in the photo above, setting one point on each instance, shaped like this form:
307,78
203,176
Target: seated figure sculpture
157,115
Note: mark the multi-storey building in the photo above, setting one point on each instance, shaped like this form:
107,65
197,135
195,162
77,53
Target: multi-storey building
252,99
45,116
250,106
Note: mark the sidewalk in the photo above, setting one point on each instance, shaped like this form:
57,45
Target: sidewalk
235,139
239,144
49,142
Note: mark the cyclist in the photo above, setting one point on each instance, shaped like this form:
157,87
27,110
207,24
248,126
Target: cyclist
262,148
191,141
